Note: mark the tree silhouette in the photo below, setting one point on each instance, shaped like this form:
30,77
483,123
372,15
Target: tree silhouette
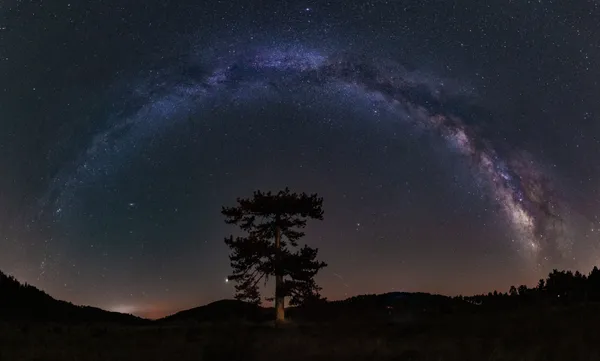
272,224
594,285
541,286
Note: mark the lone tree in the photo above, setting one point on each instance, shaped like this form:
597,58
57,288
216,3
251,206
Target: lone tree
272,224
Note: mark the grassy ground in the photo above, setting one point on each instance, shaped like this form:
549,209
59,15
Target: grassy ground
562,335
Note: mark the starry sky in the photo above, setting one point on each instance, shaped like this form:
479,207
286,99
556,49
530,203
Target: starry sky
456,144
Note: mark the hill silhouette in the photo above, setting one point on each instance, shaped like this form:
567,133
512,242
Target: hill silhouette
398,306
393,306
23,302
222,311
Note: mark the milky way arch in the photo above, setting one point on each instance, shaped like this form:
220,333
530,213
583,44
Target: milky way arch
514,180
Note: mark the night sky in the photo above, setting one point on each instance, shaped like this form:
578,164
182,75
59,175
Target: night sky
456,144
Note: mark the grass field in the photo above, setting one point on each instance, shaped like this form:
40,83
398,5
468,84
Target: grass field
568,334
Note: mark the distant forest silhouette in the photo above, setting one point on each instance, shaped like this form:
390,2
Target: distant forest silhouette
559,288
23,302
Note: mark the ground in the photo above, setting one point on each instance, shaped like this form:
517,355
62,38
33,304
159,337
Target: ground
567,334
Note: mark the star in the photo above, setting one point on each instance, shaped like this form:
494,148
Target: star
444,141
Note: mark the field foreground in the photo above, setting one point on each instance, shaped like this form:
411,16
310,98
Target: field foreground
567,334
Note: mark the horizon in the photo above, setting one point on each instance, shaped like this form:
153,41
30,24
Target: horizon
153,313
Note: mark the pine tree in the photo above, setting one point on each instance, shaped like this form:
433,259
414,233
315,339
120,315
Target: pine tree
272,224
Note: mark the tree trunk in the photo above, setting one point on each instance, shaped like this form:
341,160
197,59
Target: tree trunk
279,296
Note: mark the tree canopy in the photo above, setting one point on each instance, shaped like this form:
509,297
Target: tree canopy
272,225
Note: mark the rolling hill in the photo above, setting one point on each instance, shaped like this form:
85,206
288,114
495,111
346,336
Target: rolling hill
220,311
23,302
